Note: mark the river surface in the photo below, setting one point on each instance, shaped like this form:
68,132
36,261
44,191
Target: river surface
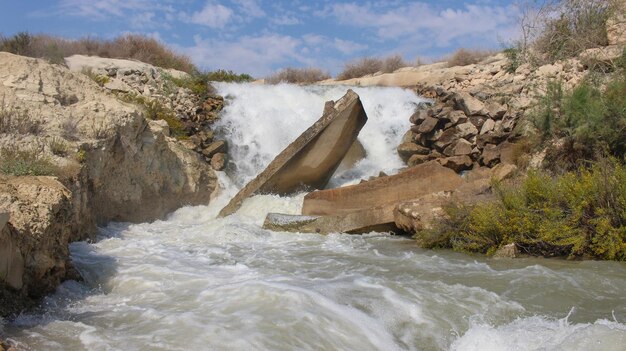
197,282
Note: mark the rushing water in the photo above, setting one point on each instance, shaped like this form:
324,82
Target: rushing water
194,282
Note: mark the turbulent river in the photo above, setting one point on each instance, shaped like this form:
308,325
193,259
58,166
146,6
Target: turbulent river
194,282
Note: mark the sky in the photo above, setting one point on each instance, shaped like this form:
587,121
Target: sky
260,37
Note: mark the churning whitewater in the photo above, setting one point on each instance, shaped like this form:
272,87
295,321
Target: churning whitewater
197,282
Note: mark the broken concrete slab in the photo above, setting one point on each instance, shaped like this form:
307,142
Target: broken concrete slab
313,157
412,183
378,219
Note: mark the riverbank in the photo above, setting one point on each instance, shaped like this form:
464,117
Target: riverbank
74,155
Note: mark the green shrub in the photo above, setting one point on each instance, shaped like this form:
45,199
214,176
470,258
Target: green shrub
19,44
100,79
25,162
155,110
514,57
228,76
579,214
591,121
59,147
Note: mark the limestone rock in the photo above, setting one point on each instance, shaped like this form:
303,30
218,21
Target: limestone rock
406,150
507,251
488,126
417,160
491,155
314,156
427,125
457,163
215,147
471,105
503,171
218,161
616,26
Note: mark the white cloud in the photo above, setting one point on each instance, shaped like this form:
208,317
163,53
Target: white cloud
101,9
250,8
257,55
422,21
347,47
212,15
286,20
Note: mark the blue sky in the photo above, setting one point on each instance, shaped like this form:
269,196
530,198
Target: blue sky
260,37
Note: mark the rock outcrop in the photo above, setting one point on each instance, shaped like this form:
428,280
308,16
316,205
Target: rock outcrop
131,79
111,163
313,157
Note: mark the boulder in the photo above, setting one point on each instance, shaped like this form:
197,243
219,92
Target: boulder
417,160
456,117
218,161
491,155
458,148
214,148
406,150
470,105
507,251
456,163
487,126
420,115
313,157
416,181
427,125
616,26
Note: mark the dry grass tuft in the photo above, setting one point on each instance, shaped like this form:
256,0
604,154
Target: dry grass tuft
464,57
370,65
298,76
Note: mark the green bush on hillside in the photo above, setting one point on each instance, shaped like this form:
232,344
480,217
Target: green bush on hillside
579,214
155,110
26,162
589,121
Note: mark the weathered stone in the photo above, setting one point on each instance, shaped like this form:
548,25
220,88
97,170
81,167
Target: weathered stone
507,251
446,138
420,115
490,138
466,130
456,117
503,171
456,163
616,26
490,155
11,259
477,121
470,105
406,150
364,221
496,110
508,152
411,183
218,161
417,160
314,156
461,147
215,147
603,55
427,125
487,126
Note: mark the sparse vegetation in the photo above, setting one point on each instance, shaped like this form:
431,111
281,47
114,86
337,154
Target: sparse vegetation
59,147
26,162
464,57
13,120
129,46
155,110
589,122
369,65
579,214
229,76
69,128
100,79
298,76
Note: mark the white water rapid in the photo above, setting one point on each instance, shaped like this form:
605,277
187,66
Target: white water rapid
197,282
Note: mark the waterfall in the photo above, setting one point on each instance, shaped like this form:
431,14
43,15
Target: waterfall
197,282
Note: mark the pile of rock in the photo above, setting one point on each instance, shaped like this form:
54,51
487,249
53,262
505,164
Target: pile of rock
197,113
459,131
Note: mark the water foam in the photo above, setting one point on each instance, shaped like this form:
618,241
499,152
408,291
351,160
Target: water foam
259,121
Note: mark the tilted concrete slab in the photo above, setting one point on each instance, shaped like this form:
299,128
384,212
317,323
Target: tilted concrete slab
410,184
375,219
313,157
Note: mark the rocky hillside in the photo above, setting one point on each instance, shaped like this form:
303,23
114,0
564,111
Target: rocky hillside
73,155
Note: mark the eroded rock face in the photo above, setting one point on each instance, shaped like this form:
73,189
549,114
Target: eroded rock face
313,157
115,165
